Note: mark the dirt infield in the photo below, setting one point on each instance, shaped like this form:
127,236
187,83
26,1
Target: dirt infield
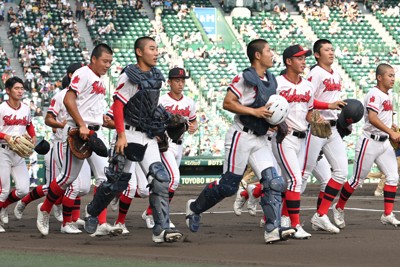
224,238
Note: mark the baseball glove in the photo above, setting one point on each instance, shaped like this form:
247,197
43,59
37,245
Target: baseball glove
177,127
163,143
22,145
394,144
283,130
319,129
79,147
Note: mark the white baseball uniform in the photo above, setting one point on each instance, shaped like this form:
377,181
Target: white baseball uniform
373,145
171,158
290,153
13,122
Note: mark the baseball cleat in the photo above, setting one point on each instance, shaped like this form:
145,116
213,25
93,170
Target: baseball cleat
2,229
4,215
19,210
285,221
301,233
58,212
171,224
338,217
192,219
70,228
42,222
239,202
323,223
114,203
79,223
168,235
278,234
125,230
390,219
148,219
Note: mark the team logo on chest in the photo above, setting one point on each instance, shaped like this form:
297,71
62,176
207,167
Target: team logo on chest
98,89
295,97
13,120
185,112
330,85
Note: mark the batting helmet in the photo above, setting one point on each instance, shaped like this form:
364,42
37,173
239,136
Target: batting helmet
351,113
280,107
42,147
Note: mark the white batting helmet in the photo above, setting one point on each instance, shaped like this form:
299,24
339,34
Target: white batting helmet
280,107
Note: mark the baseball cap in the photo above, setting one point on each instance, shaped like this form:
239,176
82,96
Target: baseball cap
295,51
177,73
70,70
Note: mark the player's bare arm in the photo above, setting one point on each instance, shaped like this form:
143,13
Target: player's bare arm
232,104
70,104
375,121
193,125
51,121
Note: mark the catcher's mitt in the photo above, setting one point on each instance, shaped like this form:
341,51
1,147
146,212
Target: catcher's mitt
177,127
22,145
163,143
79,147
322,130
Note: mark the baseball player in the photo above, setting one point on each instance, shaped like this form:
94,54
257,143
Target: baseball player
15,120
374,146
327,87
290,152
138,119
84,103
245,142
176,103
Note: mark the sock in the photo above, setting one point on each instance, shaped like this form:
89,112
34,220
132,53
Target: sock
320,196
36,193
103,214
59,201
68,205
124,204
331,191
149,211
54,193
389,194
76,209
293,207
12,197
244,194
345,194
284,207
257,191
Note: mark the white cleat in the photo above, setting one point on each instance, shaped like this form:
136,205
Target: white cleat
168,235
171,224
300,233
2,229
148,219
278,235
323,223
58,212
42,222
19,210
285,221
125,230
252,205
4,215
115,204
338,217
70,228
79,223
390,219
239,202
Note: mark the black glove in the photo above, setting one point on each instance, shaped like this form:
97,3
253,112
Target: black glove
283,130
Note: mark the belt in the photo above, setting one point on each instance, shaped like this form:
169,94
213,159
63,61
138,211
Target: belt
4,146
133,128
269,138
379,138
332,123
178,142
300,135
247,130
94,127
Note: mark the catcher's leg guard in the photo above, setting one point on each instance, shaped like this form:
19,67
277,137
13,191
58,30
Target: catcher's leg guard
158,199
213,193
271,200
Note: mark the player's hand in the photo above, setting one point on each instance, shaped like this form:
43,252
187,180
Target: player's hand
395,136
337,105
121,143
106,121
84,132
394,127
192,127
34,140
63,123
263,112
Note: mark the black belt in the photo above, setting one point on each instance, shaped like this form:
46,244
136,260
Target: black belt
178,142
94,127
133,128
332,123
246,130
379,138
269,138
4,146
300,135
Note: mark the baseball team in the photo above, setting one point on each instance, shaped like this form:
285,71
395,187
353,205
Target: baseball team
270,136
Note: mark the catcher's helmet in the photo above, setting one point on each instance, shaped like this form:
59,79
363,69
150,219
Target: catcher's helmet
280,107
42,147
351,113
